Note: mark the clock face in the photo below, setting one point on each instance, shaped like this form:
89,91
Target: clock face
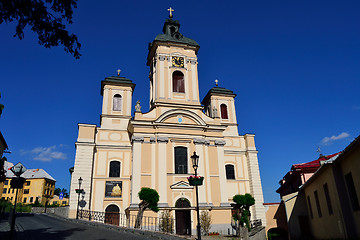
178,61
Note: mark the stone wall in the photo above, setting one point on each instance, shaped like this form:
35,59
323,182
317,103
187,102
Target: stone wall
59,211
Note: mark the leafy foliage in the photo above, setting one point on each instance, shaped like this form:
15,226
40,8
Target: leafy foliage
20,207
45,17
2,170
243,204
151,197
57,192
166,222
244,201
5,206
37,203
205,222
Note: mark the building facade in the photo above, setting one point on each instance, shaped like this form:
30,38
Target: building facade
39,185
152,149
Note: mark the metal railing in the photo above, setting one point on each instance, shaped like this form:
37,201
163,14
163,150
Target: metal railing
255,223
128,221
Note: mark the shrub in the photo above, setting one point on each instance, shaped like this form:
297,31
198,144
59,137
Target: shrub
166,222
20,207
5,206
205,222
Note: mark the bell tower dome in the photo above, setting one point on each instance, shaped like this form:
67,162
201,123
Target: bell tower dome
172,59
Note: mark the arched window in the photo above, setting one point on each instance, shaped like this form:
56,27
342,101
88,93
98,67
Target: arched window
117,100
181,160
224,112
178,82
114,169
230,172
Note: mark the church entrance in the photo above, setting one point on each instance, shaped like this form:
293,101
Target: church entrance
112,215
183,217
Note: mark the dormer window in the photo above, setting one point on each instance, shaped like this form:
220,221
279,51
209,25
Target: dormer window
224,112
117,100
178,82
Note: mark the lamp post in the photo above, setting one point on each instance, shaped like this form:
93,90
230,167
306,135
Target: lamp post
195,162
78,192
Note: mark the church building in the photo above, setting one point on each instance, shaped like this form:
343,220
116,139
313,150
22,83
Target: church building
131,150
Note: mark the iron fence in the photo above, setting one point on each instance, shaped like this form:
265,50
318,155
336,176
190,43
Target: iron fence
128,221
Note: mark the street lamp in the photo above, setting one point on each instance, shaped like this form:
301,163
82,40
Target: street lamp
195,162
78,191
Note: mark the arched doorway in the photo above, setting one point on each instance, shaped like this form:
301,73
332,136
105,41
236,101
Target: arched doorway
112,215
183,217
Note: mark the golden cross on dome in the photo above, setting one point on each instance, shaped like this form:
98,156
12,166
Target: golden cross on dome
118,71
216,82
171,10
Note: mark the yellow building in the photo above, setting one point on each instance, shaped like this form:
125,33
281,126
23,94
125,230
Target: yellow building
153,149
61,202
332,196
38,185
327,205
3,147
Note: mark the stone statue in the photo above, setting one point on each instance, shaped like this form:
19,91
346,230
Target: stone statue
137,106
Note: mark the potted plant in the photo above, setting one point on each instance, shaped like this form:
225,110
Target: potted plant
195,180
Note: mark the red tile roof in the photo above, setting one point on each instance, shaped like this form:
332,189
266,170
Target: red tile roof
313,165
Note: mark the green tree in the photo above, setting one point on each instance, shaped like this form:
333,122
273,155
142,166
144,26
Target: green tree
44,17
2,170
149,199
242,210
57,192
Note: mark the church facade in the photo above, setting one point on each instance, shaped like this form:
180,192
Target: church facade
153,149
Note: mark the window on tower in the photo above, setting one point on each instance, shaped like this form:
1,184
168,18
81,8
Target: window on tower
178,82
114,169
224,112
181,160
117,100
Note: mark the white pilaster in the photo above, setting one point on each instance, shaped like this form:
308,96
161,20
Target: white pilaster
128,103
201,171
194,81
162,177
83,167
258,211
105,101
153,163
136,170
162,77
222,175
207,178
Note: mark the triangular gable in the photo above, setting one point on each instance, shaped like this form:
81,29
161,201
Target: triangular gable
181,185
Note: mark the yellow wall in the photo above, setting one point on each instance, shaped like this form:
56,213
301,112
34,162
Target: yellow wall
32,189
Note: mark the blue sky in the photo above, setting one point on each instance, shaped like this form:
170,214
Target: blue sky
294,66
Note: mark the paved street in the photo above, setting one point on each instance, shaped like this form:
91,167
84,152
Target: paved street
40,226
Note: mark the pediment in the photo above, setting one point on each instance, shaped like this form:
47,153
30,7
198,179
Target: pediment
181,185
180,116
180,119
